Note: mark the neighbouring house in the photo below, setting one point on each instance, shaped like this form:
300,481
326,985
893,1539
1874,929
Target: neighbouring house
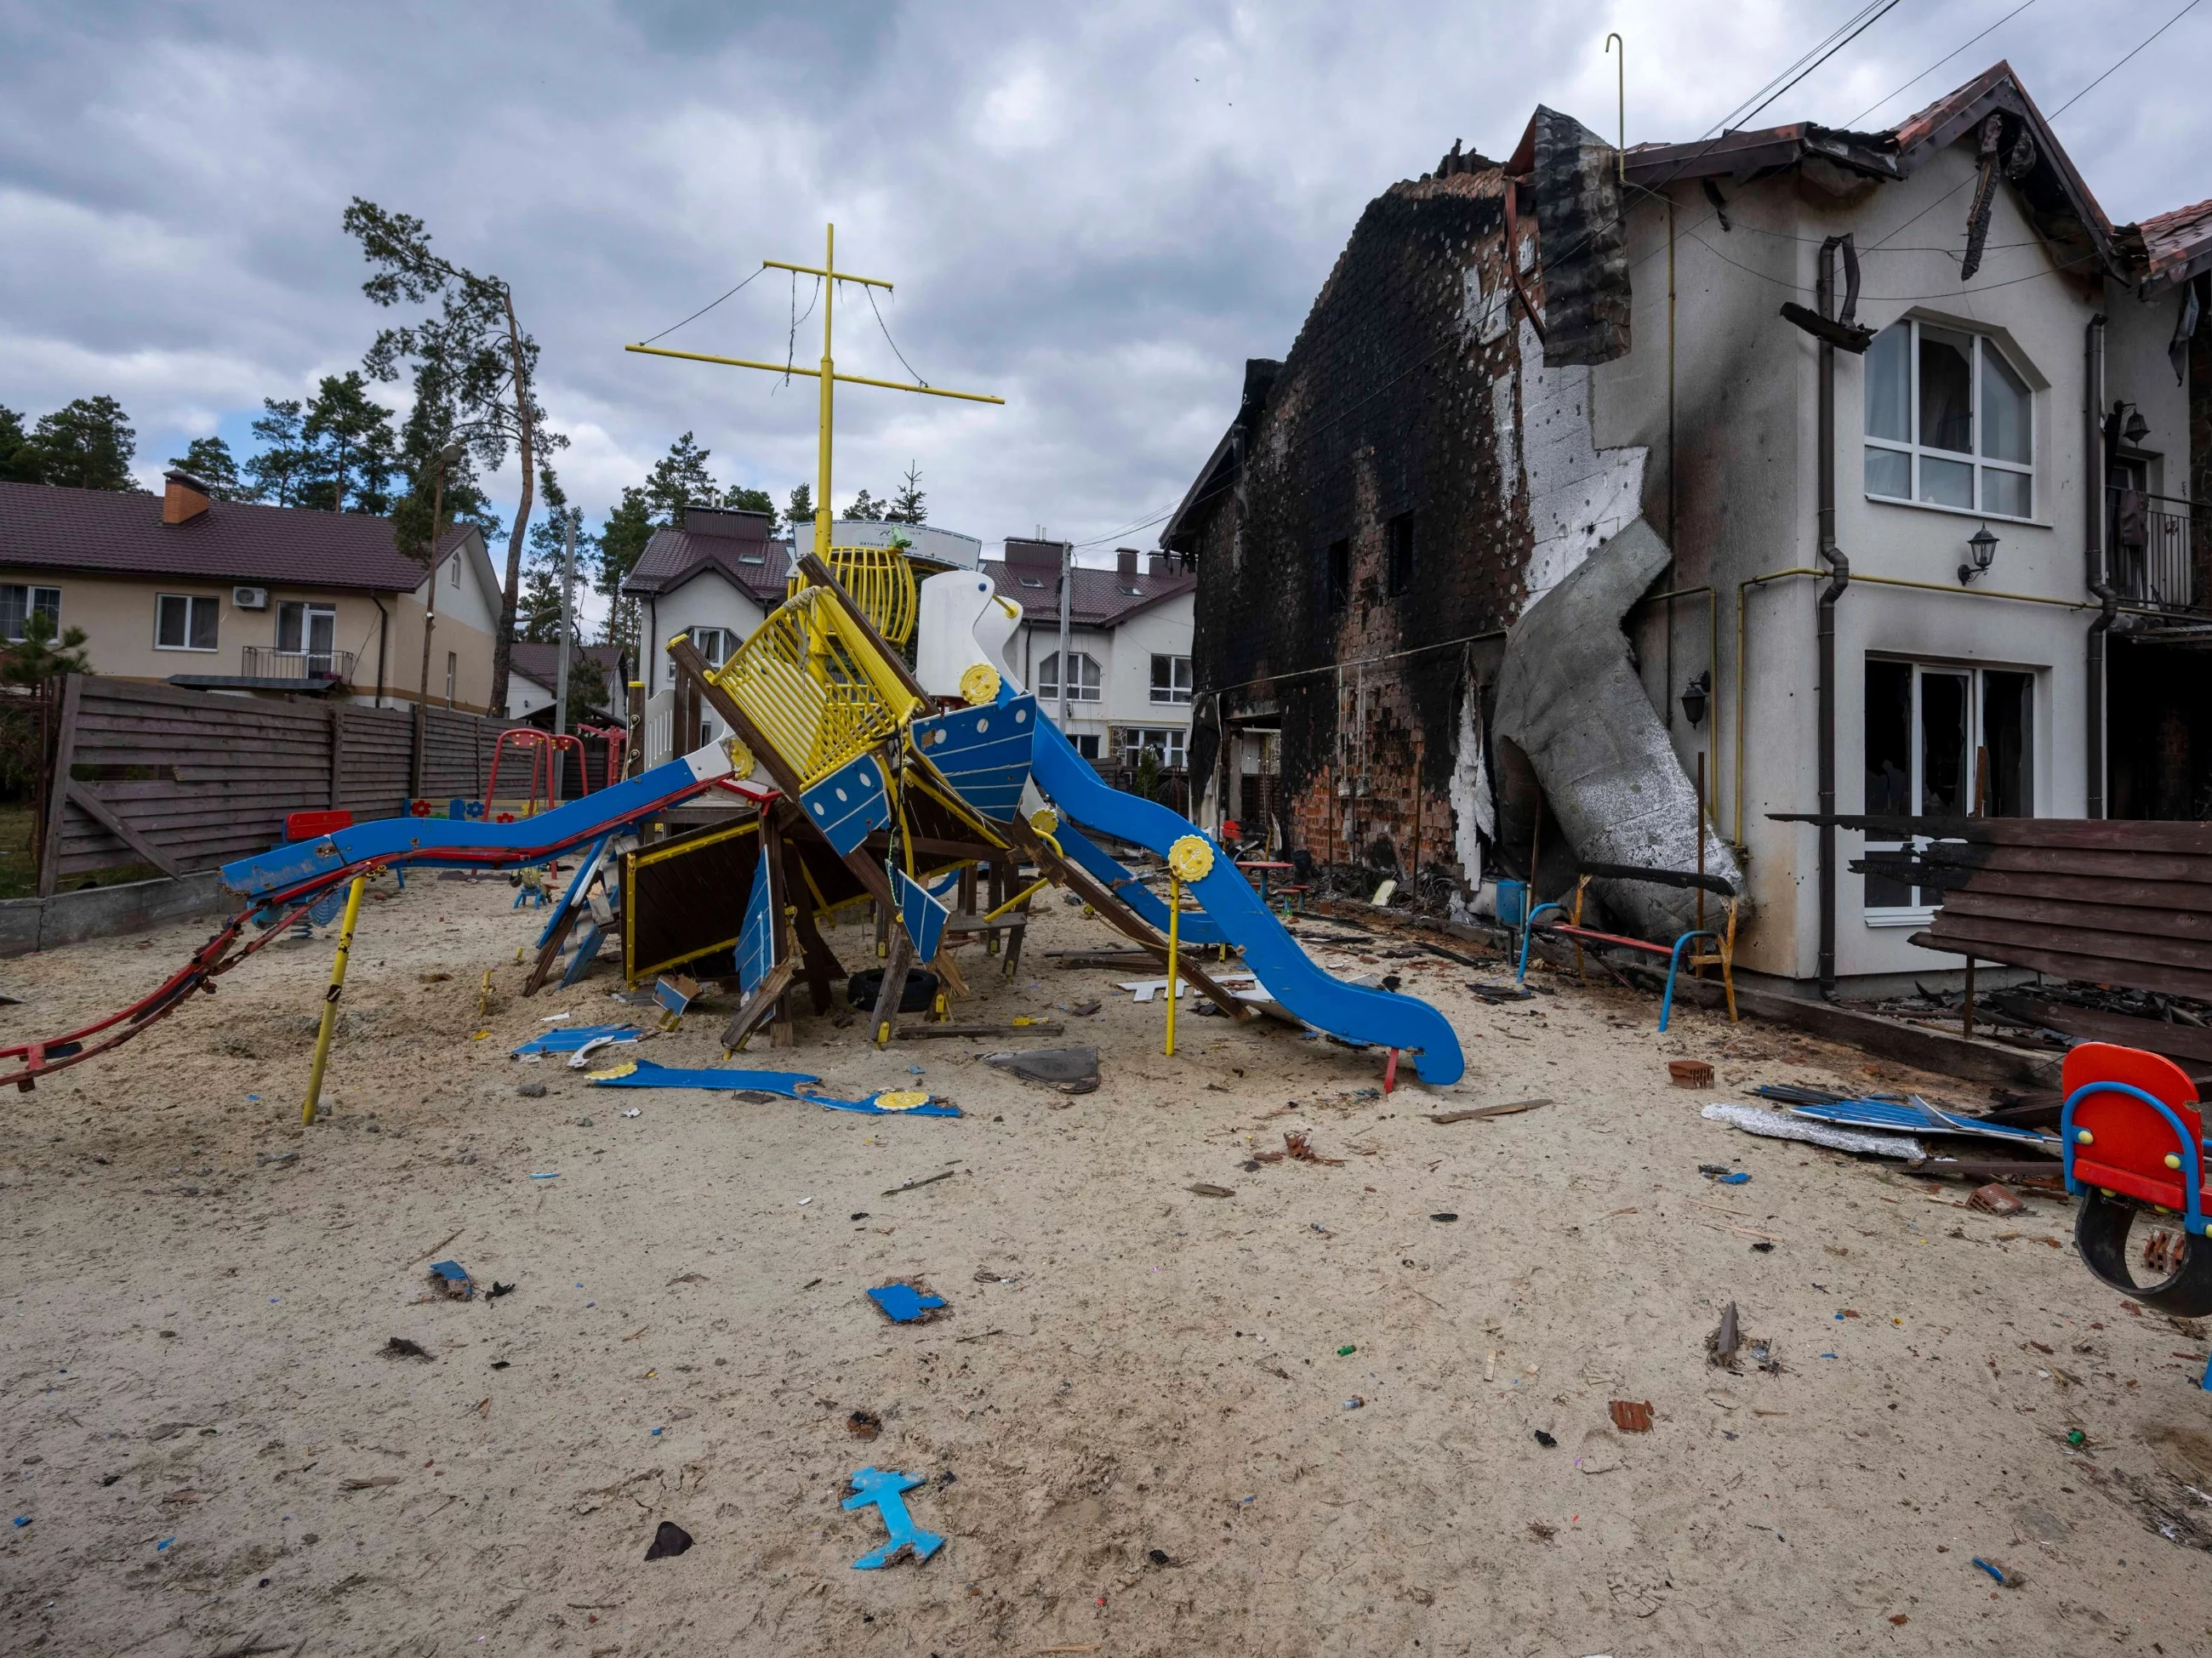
1569,486
717,573
534,676
1129,672
234,597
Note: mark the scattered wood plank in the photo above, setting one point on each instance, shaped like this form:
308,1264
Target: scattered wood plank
1485,1112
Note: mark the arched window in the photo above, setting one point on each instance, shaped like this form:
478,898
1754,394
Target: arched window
1950,422
1083,684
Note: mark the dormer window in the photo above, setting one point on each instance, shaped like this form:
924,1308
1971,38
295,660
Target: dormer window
1949,423
1031,581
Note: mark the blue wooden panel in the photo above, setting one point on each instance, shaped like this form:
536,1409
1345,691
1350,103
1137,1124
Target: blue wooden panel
757,942
850,804
984,753
924,916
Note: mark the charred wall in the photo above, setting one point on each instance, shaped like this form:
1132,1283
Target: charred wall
1381,430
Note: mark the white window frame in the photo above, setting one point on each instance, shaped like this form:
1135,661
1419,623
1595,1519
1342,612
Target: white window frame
305,649
192,602
715,645
48,599
1915,916
452,676
1176,690
1090,679
1173,743
1974,460
454,579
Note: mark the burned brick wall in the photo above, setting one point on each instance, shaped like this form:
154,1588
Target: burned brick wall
1371,525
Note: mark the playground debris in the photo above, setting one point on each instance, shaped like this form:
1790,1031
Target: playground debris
1776,1126
906,1303
1690,1073
1069,1069
451,1279
400,1347
1486,1112
573,1038
645,1073
669,1540
884,1491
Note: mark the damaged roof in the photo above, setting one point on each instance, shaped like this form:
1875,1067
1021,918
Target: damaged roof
2058,200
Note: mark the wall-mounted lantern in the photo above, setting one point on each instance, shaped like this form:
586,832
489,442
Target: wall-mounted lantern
1696,696
1981,552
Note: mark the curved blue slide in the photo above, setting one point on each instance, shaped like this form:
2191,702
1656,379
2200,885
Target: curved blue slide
1379,1016
1197,928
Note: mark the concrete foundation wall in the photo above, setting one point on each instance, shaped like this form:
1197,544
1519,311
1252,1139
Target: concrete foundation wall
71,918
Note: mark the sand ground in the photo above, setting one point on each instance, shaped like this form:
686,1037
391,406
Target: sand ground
1134,1416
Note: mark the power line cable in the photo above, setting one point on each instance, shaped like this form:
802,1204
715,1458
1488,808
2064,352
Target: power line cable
1850,30
1939,63
2100,80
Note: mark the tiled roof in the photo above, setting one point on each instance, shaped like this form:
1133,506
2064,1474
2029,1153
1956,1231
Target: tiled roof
120,532
2176,245
735,543
543,662
1099,598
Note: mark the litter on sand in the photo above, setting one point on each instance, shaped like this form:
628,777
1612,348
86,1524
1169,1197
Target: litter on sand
1916,1115
883,1490
891,1102
1244,985
1781,1126
1631,1416
1204,1189
452,1279
400,1347
906,1303
669,1540
1484,1113
1070,1070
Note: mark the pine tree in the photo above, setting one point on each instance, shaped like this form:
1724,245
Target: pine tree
865,509
749,500
798,516
677,479
350,447
19,460
621,543
86,444
908,506
281,470
209,460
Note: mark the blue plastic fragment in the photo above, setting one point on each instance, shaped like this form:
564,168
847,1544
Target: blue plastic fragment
1989,1569
163,1544
1736,1178
23,1519
883,1488
902,1303
869,1107
1827,1355
570,1038
452,1271
650,1075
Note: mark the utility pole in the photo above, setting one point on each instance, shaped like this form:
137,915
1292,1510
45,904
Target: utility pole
567,624
1067,592
827,374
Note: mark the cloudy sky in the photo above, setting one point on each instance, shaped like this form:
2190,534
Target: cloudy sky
1097,211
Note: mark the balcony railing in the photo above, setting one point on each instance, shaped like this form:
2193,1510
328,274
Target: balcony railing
262,662
2154,547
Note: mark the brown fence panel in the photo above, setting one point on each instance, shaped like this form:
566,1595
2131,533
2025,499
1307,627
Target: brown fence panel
186,780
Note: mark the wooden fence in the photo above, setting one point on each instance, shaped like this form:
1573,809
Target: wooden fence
186,780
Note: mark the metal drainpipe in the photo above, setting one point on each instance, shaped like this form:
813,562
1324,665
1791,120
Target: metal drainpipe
2099,579
1839,577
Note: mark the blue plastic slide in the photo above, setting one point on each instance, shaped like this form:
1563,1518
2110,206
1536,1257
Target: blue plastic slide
442,840
1379,1016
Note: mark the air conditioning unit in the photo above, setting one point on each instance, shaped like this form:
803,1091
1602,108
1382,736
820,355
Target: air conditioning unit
249,598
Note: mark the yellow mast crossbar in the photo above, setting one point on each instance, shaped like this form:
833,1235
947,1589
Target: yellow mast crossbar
793,369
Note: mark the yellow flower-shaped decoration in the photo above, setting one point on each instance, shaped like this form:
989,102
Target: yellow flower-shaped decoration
1044,820
1190,859
741,757
613,1071
979,685
901,1099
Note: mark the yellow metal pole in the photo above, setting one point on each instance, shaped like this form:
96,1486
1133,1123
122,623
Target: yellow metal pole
829,394
1174,933
331,999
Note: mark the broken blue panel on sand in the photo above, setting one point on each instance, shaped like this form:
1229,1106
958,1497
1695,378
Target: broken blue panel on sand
755,953
646,1074
568,1038
452,1271
922,914
902,1303
1917,1116
874,1106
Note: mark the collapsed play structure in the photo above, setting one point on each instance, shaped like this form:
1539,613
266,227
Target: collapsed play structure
859,778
